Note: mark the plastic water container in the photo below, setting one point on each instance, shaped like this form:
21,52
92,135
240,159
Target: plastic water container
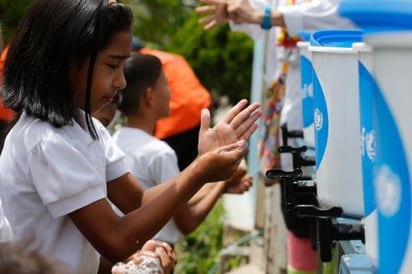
336,120
388,29
367,87
392,177
307,92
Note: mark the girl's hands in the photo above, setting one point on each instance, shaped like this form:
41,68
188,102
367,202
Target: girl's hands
219,164
238,124
240,181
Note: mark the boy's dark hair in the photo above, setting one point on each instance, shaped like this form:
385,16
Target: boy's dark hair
51,35
141,71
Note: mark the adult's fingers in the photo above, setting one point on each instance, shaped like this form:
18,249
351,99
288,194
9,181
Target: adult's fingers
206,9
213,2
206,20
209,22
211,25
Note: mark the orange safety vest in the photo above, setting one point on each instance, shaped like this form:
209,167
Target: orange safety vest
6,114
188,95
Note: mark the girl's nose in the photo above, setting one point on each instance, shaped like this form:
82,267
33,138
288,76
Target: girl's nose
120,81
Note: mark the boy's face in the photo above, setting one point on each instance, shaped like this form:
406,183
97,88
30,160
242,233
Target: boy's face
108,75
162,97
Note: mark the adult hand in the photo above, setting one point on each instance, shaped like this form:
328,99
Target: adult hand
216,11
240,11
238,124
221,11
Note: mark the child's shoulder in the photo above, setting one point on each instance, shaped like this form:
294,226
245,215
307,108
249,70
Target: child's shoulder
30,131
160,147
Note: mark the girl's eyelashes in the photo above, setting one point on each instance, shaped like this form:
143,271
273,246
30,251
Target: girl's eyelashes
113,66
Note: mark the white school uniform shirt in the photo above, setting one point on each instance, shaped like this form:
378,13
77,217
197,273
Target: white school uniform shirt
6,234
47,173
152,162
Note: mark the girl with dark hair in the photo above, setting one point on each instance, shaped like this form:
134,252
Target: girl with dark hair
59,167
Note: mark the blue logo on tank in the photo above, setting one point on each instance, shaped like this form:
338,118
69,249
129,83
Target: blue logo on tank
392,190
320,120
307,91
367,87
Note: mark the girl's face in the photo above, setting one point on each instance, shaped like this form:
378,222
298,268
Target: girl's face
108,74
162,96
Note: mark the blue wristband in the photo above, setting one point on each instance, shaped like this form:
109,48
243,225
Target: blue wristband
266,19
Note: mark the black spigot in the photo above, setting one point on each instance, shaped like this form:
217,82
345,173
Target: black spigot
328,229
297,156
297,152
278,173
286,134
295,190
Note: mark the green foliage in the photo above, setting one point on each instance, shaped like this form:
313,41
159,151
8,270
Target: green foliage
158,20
198,251
10,14
221,58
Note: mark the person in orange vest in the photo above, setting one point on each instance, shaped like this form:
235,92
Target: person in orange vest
188,97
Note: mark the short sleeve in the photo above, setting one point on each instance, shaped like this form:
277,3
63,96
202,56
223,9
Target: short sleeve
67,174
164,165
6,233
115,163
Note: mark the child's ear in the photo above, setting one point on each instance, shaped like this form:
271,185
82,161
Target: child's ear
148,95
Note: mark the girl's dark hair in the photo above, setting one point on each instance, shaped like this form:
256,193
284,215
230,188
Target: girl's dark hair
51,35
141,71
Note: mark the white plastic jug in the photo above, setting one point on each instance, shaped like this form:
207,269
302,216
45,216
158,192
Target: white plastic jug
336,120
392,175
367,88
388,29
